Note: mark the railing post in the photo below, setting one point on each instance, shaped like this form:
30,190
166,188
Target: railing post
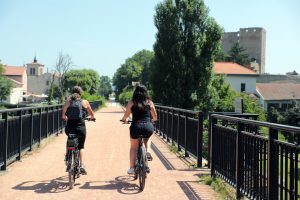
61,120
209,141
214,121
199,139
162,132
47,121
20,134
185,135
53,119
31,129
178,131
58,129
273,165
41,116
158,121
172,127
5,117
167,126
238,162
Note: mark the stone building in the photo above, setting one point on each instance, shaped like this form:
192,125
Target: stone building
38,82
254,42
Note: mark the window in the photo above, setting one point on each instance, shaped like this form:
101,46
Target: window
243,87
32,71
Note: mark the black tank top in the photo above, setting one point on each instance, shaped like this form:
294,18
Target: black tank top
139,115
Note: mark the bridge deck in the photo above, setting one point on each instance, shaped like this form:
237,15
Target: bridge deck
41,175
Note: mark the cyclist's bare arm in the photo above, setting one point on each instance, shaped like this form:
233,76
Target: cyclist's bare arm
153,111
88,107
63,115
127,112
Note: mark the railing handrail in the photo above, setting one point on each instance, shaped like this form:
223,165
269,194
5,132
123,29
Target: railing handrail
28,108
33,107
179,109
280,127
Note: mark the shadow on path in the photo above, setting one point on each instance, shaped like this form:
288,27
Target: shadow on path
121,184
57,185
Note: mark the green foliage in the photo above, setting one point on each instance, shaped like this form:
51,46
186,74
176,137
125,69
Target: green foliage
6,85
88,79
226,95
237,55
105,86
221,95
251,106
186,42
220,186
125,96
91,97
5,88
135,69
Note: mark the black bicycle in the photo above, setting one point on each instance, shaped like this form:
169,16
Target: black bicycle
141,167
72,157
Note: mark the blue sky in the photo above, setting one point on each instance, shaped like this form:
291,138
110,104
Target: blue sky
101,34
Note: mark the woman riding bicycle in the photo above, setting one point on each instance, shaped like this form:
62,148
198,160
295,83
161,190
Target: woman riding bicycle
74,112
142,108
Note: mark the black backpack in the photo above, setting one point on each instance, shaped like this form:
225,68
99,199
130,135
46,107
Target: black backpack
74,111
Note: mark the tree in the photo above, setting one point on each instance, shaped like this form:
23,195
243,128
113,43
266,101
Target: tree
144,58
251,105
225,95
63,65
88,79
135,68
237,55
128,72
105,86
186,42
5,85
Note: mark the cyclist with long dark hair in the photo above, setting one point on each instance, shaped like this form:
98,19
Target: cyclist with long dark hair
142,109
74,112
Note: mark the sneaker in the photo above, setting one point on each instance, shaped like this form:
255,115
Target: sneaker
131,171
83,170
149,156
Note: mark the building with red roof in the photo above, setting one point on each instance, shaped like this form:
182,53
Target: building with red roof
240,78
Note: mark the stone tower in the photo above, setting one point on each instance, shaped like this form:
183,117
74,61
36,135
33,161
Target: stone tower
35,68
253,40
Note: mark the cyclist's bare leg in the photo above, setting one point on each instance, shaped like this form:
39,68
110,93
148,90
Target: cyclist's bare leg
134,143
147,143
81,157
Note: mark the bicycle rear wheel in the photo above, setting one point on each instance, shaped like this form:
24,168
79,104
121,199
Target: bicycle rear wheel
71,171
142,173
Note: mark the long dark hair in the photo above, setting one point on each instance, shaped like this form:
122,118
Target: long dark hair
140,97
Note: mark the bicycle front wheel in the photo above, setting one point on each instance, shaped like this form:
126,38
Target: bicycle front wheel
71,171
142,168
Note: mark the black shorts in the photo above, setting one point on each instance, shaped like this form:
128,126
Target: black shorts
78,128
141,128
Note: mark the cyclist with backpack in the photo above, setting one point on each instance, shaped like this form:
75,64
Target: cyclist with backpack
74,112
142,109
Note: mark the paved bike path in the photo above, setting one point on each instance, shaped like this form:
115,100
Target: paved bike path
41,175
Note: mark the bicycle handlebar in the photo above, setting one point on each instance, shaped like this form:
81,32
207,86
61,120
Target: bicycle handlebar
90,119
128,122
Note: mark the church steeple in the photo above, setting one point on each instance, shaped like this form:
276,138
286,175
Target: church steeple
34,60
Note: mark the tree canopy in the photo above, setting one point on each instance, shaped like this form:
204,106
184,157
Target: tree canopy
5,85
237,54
186,42
135,69
105,86
88,79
